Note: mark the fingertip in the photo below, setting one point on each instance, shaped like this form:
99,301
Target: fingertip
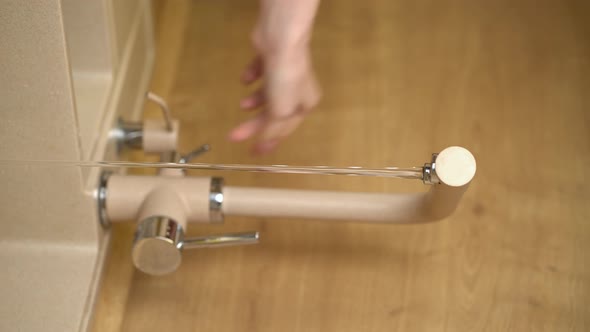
252,72
234,136
246,129
240,133
253,101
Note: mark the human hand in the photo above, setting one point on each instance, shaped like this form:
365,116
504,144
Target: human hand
289,90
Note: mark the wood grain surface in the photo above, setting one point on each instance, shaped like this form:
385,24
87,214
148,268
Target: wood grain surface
509,80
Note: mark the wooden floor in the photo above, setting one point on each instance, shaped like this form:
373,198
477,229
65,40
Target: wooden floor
509,80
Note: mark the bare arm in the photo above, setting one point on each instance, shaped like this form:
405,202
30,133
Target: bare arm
289,90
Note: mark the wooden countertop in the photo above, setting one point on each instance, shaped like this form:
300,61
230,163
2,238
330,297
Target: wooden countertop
509,80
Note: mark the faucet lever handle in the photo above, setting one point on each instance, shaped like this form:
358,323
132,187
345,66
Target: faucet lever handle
195,153
175,157
223,240
159,242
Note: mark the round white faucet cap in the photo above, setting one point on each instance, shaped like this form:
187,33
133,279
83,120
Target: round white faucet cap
455,166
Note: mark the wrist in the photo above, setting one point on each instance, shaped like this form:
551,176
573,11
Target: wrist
295,60
277,45
284,26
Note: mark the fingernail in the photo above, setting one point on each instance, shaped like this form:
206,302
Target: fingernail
236,135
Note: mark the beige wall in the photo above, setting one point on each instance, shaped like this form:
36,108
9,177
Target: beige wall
68,69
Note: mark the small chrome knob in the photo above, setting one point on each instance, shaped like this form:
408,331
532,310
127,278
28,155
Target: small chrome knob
128,135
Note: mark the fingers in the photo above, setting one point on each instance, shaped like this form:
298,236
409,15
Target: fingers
247,129
254,71
279,129
275,130
255,100
270,131
290,91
